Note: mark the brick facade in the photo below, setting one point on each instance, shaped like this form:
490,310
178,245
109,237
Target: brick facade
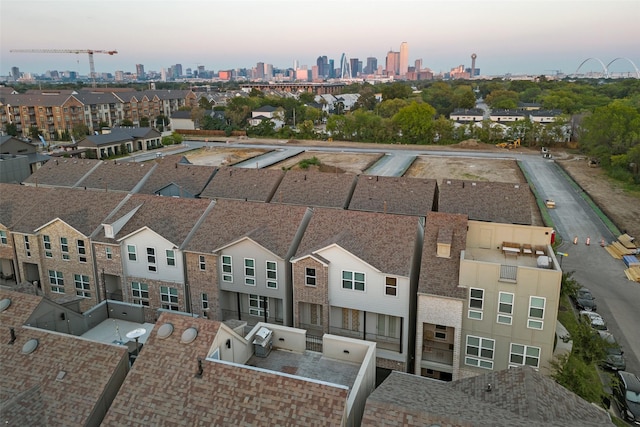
203,282
151,312
318,294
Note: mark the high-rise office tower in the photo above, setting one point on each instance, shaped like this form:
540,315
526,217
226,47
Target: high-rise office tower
353,64
259,70
372,65
15,73
177,71
268,71
332,70
404,59
393,63
140,71
418,65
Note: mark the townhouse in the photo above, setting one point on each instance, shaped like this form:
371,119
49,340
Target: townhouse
120,141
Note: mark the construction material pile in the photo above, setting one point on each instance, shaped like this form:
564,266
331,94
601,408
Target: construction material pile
626,249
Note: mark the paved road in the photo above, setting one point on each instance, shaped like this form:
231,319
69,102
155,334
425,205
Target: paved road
618,298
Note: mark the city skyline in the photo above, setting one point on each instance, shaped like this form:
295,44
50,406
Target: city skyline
524,37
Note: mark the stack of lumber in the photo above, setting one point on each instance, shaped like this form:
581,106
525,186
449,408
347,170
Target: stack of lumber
633,273
623,246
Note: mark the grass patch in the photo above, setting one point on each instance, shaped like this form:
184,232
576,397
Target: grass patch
304,164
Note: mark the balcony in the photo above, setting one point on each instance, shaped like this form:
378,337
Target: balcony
382,341
438,352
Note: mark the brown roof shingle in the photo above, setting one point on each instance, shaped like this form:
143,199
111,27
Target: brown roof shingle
192,178
116,176
397,195
309,188
256,185
62,172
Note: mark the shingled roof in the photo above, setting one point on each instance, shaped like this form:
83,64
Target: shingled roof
398,195
66,380
271,226
171,169
162,388
384,241
508,203
116,176
439,275
310,188
256,185
518,397
62,172
17,201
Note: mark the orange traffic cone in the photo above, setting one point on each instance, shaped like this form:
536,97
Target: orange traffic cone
602,243
575,240
588,241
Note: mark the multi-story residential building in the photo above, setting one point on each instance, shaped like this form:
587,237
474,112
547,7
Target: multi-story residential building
120,141
238,261
354,275
139,251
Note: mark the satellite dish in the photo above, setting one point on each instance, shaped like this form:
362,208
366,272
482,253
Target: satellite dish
136,333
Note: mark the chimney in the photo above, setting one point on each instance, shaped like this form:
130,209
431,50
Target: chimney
200,368
12,331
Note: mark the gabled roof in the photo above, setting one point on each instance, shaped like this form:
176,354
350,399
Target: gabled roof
18,201
440,275
66,380
174,169
162,387
250,184
116,176
95,98
518,397
171,217
503,202
274,227
468,112
62,172
84,210
265,109
311,188
119,135
398,195
383,241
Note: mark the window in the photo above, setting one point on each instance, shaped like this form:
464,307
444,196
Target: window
505,308
391,286
27,246
479,352
249,272
140,293
108,251
202,263
258,305
169,298
353,280
310,276
47,246
441,332
56,281
151,259
82,251
524,355
64,247
205,301
227,269
82,285
272,275
388,326
536,312
171,257
131,251
3,237
476,303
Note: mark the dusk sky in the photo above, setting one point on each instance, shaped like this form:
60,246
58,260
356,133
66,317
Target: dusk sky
515,36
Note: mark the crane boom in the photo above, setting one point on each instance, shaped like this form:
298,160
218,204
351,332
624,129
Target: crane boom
90,52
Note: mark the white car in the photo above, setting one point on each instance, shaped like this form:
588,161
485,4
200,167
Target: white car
595,320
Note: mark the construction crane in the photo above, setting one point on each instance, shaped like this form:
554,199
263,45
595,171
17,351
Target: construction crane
76,51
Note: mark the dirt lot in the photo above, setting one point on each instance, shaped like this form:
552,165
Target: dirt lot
622,207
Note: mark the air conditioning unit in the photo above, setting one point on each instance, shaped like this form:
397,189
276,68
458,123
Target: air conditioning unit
263,342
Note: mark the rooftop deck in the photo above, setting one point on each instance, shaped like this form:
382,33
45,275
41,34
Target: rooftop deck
499,257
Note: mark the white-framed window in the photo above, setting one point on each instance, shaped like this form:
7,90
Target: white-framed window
353,280
27,246
140,293
56,280
82,285
131,253
272,275
536,312
227,268
64,247
388,326
524,355
108,252
250,271
171,257
169,298
205,301
202,262
47,246
476,303
258,305
440,332
82,250
310,276
505,308
151,259
479,352
391,286
3,237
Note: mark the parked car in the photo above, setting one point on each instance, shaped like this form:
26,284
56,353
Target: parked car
626,395
614,359
595,320
584,300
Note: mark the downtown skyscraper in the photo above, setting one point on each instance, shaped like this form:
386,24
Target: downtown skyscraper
404,59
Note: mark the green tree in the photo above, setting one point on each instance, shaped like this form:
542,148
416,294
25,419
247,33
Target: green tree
197,114
395,91
443,130
440,96
161,122
11,129
390,108
367,100
415,122
126,122
502,99
204,103
80,131
239,110
307,98
463,97
144,122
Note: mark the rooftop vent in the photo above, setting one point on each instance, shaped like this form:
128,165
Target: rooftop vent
165,331
30,346
189,335
4,304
